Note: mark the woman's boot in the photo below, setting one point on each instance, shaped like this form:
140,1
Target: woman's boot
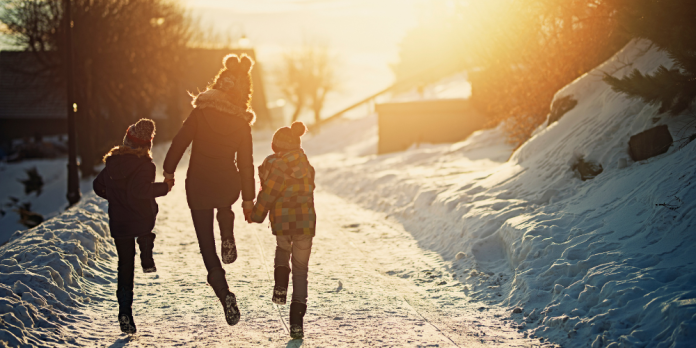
297,312
280,290
225,218
216,279
125,311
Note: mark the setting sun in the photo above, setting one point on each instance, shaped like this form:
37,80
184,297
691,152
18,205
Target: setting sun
347,173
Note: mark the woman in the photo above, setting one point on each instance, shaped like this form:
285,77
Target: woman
220,128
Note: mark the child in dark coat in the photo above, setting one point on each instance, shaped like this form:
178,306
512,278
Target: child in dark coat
287,182
127,182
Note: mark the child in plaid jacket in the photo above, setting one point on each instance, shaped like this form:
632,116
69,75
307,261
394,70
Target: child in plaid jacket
287,192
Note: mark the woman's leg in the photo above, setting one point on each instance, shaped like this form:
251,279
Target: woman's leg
228,251
203,223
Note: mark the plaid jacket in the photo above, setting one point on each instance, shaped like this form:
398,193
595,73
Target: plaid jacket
287,191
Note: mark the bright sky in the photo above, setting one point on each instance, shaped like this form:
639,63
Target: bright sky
364,33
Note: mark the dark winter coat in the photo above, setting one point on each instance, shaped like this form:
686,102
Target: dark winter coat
222,162
127,182
287,191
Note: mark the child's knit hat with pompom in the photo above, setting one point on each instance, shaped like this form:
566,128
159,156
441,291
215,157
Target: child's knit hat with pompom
288,138
140,135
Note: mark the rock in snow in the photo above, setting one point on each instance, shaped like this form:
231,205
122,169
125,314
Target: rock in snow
650,143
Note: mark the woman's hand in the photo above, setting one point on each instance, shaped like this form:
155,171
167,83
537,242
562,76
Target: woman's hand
247,206
169,180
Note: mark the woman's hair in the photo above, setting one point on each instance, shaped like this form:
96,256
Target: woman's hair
235,79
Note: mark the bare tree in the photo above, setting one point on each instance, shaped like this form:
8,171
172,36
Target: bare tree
307,76
292,82
518,53
322,78
127,53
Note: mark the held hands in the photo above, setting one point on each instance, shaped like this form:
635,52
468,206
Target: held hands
170,183
247,206
169,180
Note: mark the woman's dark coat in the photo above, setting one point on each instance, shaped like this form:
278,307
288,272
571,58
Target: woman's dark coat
127,182
221,163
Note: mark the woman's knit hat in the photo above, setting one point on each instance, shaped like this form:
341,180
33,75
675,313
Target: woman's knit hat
288,138
140,135
235,79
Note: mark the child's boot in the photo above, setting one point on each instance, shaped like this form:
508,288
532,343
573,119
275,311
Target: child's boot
225,218
297,312
216,279
125,311
147,243
280,290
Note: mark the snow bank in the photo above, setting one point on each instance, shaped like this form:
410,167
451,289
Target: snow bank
607,262
45,271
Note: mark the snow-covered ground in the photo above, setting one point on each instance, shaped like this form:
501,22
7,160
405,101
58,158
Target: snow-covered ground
370,285
459,244
606,262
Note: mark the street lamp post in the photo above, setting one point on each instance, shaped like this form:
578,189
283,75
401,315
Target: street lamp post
244,42
73,175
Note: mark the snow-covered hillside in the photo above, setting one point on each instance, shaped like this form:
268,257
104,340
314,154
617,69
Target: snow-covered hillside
46,272
606,262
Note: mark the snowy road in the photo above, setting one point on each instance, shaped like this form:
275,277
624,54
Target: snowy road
370,285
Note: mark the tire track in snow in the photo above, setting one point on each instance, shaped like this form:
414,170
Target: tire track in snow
409,304
383,236
268,272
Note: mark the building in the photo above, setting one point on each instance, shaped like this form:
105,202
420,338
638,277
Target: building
31,103
404,124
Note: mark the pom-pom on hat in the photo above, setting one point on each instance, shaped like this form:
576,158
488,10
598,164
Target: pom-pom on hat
140,134
288,138
235,79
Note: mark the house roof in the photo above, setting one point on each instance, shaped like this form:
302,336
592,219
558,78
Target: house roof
27,91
